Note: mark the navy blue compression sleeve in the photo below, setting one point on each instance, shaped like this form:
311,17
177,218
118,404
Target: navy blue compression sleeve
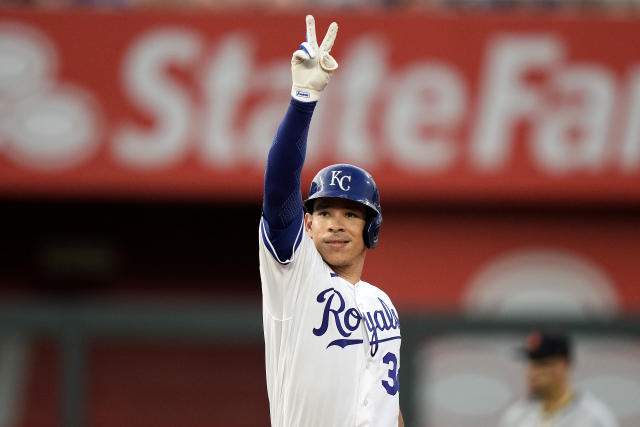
282,203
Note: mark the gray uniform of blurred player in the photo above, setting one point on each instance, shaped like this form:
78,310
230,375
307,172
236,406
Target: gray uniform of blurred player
584,410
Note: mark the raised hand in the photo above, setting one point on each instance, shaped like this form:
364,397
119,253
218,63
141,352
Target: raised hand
312,65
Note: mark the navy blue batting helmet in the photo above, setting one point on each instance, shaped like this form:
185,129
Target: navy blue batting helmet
353,183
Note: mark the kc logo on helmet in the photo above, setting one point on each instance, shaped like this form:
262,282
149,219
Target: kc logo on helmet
335,176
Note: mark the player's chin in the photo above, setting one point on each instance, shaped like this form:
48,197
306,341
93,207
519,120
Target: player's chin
336,258
536,392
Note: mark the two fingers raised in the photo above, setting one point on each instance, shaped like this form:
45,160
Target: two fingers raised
329,38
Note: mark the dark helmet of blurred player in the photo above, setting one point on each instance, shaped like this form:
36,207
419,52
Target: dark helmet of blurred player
549,354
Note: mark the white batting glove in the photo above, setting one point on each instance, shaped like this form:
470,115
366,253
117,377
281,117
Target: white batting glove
312,66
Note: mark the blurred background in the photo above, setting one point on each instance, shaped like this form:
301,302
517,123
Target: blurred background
504,136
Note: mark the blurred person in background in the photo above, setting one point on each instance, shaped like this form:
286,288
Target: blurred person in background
552,400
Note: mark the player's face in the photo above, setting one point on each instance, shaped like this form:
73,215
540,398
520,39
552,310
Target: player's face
545,376
336,227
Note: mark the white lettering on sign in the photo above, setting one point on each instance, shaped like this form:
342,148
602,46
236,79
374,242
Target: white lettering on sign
427,97
505,99
150,88
225,82
420,117
572,136
361,77
630,152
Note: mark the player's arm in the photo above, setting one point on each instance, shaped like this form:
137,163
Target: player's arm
311,69
400,420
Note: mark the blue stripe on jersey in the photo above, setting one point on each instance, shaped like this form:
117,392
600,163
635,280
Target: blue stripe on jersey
288,256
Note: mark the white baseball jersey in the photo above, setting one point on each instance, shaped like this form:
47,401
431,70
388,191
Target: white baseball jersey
332,348
584,410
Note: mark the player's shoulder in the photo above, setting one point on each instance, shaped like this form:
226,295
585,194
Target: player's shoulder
596,408
376,294
296,241
373,289
522,406
518,410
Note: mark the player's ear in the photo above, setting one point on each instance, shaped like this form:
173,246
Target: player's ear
308,219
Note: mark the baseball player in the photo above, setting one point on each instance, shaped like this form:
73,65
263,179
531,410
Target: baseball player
332,341
552,401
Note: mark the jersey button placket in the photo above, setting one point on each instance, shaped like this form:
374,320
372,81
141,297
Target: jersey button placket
361,308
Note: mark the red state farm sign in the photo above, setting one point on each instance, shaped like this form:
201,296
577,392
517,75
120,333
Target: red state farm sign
458,108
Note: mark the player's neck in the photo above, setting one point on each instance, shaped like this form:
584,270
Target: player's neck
558,400
350,273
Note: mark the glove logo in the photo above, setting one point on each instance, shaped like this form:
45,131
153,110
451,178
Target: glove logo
335,176
302,94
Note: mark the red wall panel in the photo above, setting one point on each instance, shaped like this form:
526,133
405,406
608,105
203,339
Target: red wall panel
437,107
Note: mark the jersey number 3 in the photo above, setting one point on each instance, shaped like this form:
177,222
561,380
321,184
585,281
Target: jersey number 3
393,385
